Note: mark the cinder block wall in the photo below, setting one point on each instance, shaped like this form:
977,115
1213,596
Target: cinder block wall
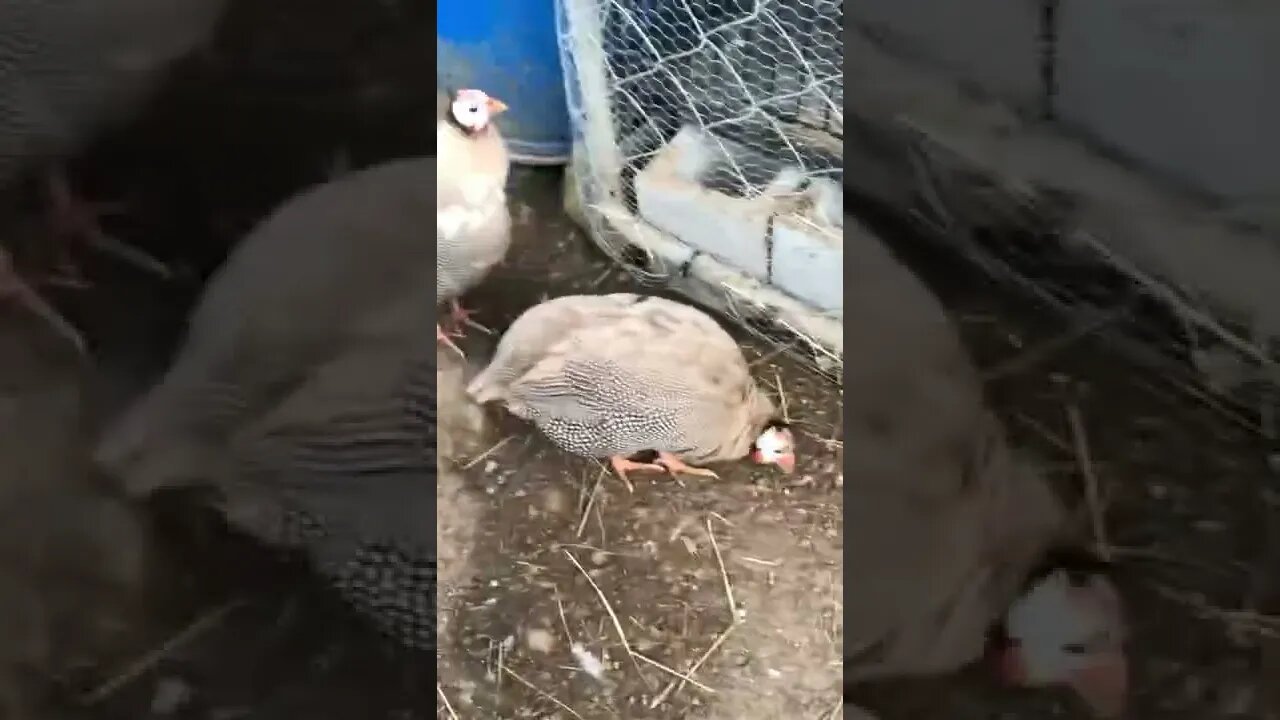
1188,88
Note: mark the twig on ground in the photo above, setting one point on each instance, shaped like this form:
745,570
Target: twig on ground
782,396
586,511
1256,622
445,699
1043,350
1091,491
564,622
498,445
724,575
677,673
544,695
1039,428
617,624
148,661
766,357
675,685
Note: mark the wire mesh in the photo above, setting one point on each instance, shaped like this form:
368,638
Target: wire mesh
757,84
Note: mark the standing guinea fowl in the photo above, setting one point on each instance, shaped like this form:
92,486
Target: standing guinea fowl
338,265
473,224
67,71
955,542
617,375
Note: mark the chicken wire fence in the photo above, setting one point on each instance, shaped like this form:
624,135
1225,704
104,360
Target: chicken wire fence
751,91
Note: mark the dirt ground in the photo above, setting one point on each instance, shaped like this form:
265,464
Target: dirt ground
744,570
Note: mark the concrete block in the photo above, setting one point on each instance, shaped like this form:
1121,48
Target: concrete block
734,230
808,263
1186,87
990,44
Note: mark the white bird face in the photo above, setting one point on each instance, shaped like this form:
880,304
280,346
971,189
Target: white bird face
1062,632
775,446
473,110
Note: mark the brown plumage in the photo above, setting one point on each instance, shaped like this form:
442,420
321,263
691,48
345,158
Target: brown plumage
615,375
944,521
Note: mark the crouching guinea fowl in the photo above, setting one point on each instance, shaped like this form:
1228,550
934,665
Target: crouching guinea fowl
344,469
301,392
338,265
617,375
958,545
473,225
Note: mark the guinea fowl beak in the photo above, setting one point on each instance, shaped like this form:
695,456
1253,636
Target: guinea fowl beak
1103,684
496,106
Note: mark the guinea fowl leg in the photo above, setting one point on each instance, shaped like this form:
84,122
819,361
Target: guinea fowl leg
75,218
622,466
13,286
676,466
443,337
462,317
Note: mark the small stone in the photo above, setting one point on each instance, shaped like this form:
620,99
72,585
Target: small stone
540,640
171,695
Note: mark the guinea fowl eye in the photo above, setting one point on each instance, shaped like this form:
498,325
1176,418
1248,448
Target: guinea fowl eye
473,109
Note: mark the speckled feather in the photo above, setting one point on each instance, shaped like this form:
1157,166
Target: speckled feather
344,468
337,265
68,68
473,224
619,374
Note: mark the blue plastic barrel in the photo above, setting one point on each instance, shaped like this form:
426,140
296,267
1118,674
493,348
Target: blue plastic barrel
508,49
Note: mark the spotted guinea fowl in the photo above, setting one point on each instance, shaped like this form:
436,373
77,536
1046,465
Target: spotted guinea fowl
949,533
616,375
69,70
473,225
343,468
339,264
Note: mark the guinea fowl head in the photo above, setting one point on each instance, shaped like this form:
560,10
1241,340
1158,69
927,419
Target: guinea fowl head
1067,628
775,446
472,111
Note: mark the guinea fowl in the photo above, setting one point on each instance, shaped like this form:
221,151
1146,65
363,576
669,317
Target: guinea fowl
343,468
337,265
304,393
949,532
473,224
67,71
621,374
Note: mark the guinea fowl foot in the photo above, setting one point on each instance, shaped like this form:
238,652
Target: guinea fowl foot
13,286
443,337
462,317
622,466
675,466
459,314
73,217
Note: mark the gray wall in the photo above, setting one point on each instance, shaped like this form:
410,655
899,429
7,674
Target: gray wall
1189,88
